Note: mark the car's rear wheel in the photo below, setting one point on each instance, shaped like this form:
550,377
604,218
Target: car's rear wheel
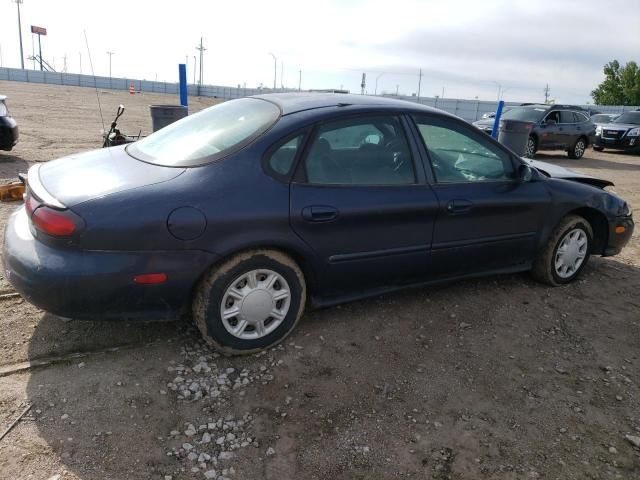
577,151
566,253
250,302
598,149
532,146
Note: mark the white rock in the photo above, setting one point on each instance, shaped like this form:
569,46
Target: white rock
210,474
204,457
633,440
220,440
187,446
226,455
192,456
270,451
206,438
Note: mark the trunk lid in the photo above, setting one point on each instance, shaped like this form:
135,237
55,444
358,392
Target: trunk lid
74,179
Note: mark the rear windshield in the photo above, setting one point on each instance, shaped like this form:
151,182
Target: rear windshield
629,117
527,114
207,135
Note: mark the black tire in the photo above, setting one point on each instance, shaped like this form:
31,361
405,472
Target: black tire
211,291
544,266
532,147
578,148
598,149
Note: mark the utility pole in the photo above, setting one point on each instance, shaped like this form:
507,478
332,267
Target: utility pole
275,69
64,59
201,49
110,55
547,90
194,69
397,88
299,80
419,84
80,59
363,84
0,56
281,75
18,3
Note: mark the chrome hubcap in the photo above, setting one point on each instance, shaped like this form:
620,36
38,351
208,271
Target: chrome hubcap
571,253
530,147
255,304
579,150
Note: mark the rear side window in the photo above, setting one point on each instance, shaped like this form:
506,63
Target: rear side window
282,158
207,135
567,117
360,151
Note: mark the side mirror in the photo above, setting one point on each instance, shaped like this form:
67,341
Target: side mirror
525,173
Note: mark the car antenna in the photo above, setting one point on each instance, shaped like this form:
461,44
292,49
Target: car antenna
94,79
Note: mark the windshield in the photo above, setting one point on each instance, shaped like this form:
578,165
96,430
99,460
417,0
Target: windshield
601,118
528,114
207,135
629,117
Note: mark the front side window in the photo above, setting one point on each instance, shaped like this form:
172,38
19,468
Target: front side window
553,117
207,135
459,155
361,151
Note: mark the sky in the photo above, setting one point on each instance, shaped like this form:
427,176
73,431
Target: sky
465,48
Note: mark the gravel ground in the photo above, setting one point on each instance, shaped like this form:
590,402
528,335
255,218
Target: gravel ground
496,378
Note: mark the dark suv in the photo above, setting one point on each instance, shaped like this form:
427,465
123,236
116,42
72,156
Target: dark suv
623,133
556,127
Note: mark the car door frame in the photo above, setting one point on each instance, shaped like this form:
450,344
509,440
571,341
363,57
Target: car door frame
532,236
299,178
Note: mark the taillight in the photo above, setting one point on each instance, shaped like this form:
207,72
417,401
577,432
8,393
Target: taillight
31,204
53,222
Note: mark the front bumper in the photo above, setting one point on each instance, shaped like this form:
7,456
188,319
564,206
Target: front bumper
631,144
620,231
98,285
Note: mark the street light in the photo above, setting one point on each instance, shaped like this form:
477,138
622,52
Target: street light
110,54
275,69
375,91
18,3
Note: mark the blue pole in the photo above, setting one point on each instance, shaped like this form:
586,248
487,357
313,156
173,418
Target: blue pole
182,70
496,122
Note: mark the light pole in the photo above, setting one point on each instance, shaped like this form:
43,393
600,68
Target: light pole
194,69
375,91
275,70
499,88
18,3
110,55
201,49
299,80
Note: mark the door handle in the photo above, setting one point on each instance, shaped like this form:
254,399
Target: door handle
319,213
458,207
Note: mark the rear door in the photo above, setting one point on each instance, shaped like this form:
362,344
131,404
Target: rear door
487,220
360,201
568,129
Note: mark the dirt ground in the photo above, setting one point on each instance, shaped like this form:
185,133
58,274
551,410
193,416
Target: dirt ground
496,378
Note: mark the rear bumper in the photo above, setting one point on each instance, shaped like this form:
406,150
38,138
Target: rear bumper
620,232
630,144
98,285
9,133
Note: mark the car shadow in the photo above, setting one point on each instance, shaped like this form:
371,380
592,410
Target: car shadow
105,416
11,164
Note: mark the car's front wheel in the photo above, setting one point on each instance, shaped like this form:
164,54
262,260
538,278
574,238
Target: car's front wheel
250,302
566,252
532,146
577,151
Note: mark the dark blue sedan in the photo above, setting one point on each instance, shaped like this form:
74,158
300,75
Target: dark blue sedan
244,213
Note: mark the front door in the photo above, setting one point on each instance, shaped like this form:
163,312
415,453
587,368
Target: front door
488,220
361,204
550,131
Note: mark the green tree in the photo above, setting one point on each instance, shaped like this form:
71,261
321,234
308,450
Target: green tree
621,85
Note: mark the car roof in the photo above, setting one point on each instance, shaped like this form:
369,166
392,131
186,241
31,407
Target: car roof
552,107
297,102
